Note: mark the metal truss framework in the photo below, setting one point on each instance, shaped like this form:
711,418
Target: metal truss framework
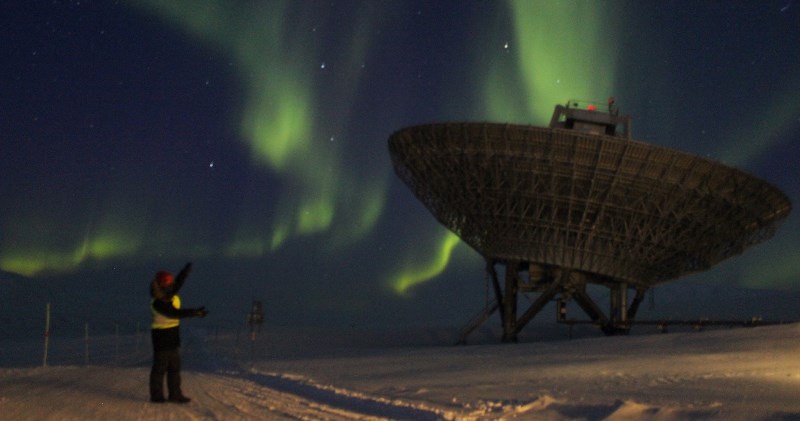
570,208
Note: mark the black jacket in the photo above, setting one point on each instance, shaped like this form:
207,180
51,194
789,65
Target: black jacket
169,338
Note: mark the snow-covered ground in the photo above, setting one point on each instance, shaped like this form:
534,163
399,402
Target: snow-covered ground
722,374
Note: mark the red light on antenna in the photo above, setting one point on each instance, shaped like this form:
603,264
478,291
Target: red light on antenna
591,108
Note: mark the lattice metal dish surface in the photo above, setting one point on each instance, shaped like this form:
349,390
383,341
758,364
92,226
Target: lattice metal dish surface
605,205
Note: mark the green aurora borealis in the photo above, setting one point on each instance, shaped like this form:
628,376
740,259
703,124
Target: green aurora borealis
279,116
281,123
303,95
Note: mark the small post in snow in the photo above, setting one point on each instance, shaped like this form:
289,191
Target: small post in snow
116,343
86,344
138,336
46,333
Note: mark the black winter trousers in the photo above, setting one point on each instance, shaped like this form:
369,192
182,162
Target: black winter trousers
166,362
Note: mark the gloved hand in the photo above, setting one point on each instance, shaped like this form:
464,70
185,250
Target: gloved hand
201,312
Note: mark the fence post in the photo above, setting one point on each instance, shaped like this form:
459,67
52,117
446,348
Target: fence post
46,333
86,343
116,343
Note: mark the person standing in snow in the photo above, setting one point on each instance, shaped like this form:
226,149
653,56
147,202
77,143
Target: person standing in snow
167,312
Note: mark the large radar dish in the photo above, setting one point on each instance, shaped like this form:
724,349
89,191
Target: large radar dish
614,209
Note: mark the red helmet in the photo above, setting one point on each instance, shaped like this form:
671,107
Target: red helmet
164,279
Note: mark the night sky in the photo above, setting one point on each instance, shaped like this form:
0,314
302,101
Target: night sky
250,137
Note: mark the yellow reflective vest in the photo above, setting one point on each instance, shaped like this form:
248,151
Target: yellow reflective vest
161,321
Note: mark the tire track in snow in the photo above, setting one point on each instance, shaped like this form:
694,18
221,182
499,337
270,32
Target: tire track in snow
248,400
333,399
333,402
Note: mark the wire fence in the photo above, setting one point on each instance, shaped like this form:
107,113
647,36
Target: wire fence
55,339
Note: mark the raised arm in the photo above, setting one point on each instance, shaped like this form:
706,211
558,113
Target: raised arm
181,278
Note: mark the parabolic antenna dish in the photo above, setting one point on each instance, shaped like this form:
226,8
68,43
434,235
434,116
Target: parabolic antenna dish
607,205
580,202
